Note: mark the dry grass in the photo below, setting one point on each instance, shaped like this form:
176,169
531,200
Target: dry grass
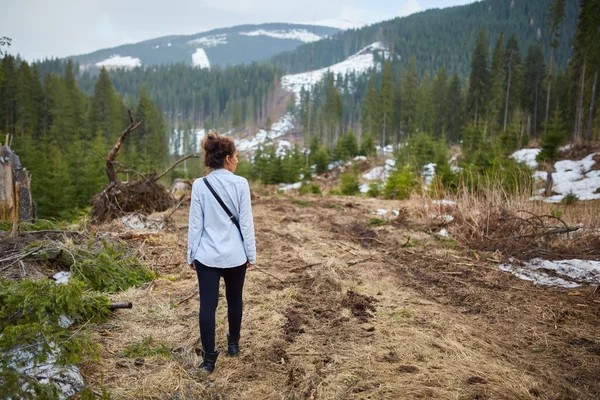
494,220
390,326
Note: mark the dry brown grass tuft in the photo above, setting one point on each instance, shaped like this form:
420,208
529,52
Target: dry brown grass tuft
492,220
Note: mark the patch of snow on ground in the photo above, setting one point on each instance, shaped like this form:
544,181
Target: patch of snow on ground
573,177
380,173
428,173
526,156
443,233
62,277
364,187
443,202
447,218
116,61
572,273
360,62
565,148
360,158
389,149
295,34
278,129
381,211
283,147
291,186
209,41
67,379
200,59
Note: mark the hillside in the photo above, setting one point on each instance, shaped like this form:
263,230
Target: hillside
226,46
441,37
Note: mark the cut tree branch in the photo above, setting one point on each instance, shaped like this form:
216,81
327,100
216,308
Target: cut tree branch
175,164
110,170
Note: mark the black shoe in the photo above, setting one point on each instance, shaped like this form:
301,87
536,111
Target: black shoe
233,346
208,361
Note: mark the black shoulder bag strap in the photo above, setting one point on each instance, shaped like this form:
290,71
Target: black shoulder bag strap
231,216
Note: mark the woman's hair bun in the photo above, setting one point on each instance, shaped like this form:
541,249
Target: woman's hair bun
216,149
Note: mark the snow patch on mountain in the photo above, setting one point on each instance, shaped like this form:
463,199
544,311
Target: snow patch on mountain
360,62
209,41
116,61
295,34
200,59
278,129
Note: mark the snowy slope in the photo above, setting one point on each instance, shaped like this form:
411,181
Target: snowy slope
297,34
278,129
360,62
225,46
200,59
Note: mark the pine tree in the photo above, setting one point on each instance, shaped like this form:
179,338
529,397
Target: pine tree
554,137
455,109
479,78
409,96
386,104
586,62
514,77
439,98
497,84
368,115
556,14
532,92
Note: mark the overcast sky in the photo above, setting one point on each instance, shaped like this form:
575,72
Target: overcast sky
59,28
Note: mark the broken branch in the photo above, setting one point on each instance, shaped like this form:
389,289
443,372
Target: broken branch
177,163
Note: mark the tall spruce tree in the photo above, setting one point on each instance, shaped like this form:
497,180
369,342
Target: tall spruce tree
533,93
439,96
479,78
454,109
386,104
514,77
497,84
586,62
409,97
556,15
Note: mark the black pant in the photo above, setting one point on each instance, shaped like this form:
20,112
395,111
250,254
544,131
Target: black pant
208,283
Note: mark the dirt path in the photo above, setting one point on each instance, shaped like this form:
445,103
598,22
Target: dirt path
384,312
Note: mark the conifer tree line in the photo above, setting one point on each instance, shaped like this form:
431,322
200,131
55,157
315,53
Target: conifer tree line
237,97
63,135
443,37
503,101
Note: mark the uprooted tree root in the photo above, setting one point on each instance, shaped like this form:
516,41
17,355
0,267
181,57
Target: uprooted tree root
143,195
525,235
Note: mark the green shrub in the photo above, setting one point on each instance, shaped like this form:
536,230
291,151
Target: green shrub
302,203
376,222
374,189
309,188
349,186
401,183
147,347
570,199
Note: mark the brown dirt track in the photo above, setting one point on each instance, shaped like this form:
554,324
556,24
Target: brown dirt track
370,319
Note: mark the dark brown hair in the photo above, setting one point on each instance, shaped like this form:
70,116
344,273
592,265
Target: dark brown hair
216,149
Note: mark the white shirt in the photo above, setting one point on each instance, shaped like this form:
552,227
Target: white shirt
213,238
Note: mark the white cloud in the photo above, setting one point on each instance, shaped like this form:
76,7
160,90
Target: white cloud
409,7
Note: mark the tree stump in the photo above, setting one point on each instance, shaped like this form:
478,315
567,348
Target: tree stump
16,203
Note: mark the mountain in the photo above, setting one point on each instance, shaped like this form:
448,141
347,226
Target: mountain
442,36
220,47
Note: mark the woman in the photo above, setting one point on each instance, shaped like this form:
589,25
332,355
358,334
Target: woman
217,246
